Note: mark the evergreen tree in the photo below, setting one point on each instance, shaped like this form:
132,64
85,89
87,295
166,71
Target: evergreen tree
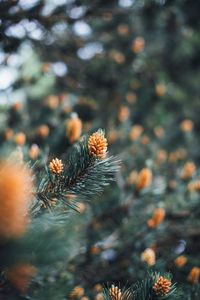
68,68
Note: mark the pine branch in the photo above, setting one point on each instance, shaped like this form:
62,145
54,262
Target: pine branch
144,290
116,293
83,176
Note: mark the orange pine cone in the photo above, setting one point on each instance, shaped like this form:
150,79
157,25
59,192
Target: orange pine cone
98,288
16,106
20,275
186,125
159,132
138,44
160,89
194,186
56,166
194,275
144,179
123,29
115,293
97,145
15,195
180,261
158,217
123,114
135,132
74,129
20,138
188,170
148,256
162,286
52,101
34,151
77,292
43,131
8,134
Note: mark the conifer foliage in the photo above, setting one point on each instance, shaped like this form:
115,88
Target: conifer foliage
89,213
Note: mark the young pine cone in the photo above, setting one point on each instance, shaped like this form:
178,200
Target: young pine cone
115,293
56,166
162,286
97,145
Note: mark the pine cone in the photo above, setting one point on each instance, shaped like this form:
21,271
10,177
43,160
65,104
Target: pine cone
144,179
74,129
56,166
162,286
77,292
97,145
194,275
115,293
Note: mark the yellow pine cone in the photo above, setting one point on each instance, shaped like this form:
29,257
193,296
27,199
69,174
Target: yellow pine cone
194,275
162,286
144,179
74,129
97,145
148,256
56,166
115,293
